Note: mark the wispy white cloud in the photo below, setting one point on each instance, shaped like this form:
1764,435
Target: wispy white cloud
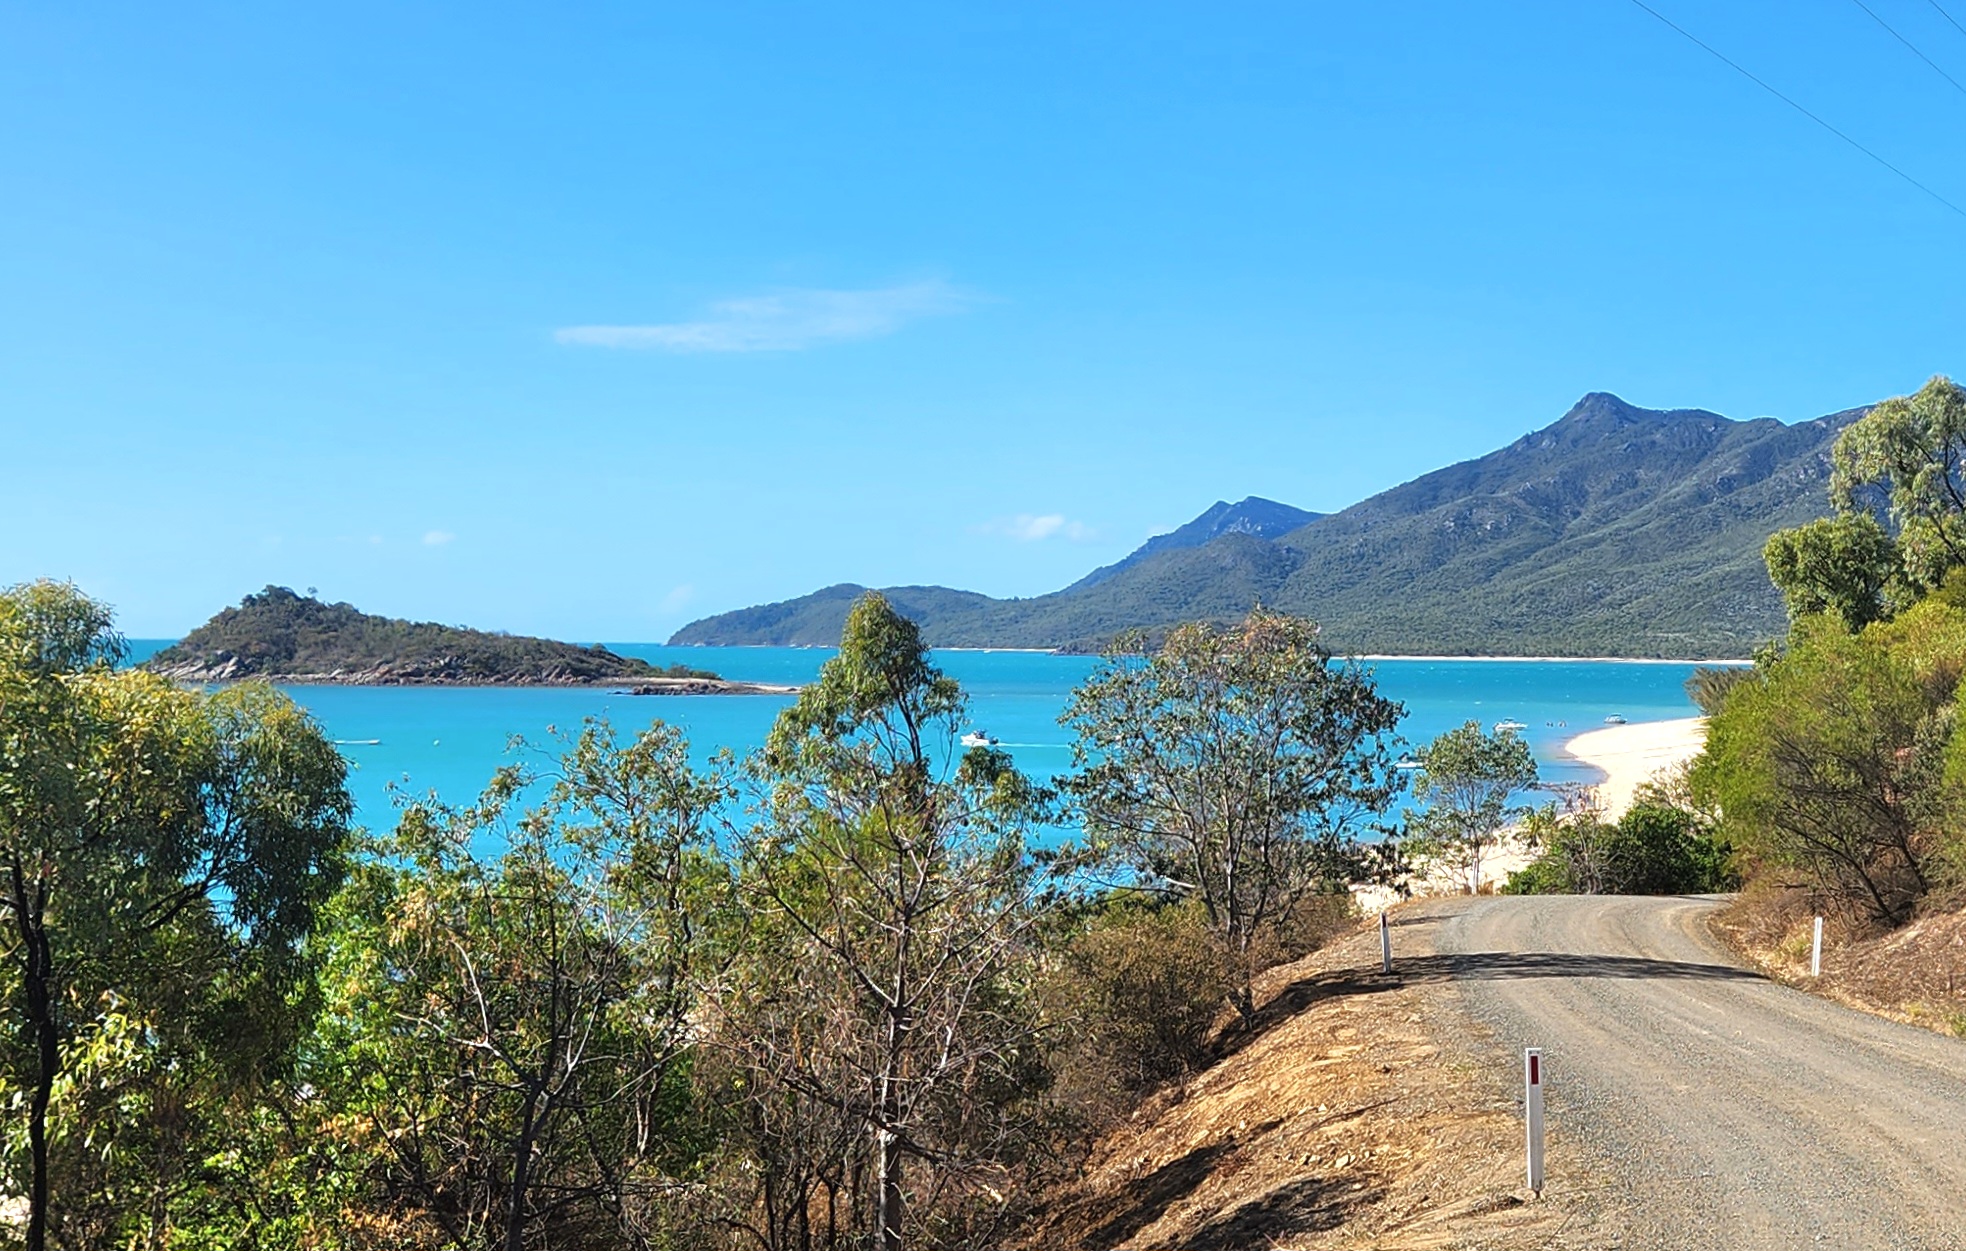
437,538
677,597
783,321
1033,527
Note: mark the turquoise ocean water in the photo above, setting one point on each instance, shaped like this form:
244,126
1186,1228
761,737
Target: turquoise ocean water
449,739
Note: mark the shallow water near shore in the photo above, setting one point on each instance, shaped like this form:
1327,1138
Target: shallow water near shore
449,739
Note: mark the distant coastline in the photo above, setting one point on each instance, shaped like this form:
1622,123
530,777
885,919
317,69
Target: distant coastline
1596,660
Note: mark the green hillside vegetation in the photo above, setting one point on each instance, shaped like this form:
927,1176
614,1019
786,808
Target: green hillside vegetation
1615,531
826,998
1265,519
1840,759
1832,780
278,634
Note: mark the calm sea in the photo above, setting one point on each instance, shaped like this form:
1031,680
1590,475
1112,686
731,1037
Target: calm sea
449,739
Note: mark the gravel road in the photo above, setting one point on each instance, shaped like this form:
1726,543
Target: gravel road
1720,1110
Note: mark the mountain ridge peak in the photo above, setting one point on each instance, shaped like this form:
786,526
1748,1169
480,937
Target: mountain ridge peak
1614,530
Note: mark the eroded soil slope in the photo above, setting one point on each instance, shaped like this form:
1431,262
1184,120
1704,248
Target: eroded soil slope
1364,1111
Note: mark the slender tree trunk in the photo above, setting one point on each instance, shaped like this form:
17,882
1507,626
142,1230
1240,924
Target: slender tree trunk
887,1197
37,984
887,1143
515,1213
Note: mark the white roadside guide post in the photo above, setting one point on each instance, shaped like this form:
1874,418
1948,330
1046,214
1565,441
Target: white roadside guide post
1385,944
1816,951
1532,1106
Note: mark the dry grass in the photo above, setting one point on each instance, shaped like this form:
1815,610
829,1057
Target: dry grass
1915,974
1354,1115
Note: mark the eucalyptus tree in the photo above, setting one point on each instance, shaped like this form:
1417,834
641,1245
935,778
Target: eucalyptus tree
163,856
883,1017
1847,564
1906,460
1913,449
1842,761
515,984
1467,777
1240,766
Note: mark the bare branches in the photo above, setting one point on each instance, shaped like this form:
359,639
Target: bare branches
875,1024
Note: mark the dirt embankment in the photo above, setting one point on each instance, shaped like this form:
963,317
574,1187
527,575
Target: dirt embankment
1916,974
1362,1111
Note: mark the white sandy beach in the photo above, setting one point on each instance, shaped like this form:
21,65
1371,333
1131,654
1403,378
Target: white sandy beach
1629,755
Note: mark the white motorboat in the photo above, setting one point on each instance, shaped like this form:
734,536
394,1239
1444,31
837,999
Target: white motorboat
1511,727
977,738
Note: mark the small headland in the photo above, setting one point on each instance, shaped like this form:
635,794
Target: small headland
280,636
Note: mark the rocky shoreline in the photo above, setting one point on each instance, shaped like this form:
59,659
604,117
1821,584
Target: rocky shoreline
443,674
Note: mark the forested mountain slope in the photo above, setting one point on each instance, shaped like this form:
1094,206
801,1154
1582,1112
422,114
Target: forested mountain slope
1265,519
1614,531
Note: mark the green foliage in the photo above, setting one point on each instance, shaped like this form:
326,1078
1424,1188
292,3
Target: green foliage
1845,565
1908,450
583,1012
1466,778
879,1020
277,633
163,858
684,671
1836,761
1615,531
1654,849
1237,767
1708,685
1141,985
508,1047
1914,448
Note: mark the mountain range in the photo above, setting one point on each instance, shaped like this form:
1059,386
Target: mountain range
1614,531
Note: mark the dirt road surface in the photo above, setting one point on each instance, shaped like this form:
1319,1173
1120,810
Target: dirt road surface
1714,1108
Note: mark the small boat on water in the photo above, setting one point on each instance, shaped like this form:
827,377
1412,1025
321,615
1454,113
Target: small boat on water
1511,727
977,738
358,742
1614,719
1408,764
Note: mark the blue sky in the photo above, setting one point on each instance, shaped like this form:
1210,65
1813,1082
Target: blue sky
591,319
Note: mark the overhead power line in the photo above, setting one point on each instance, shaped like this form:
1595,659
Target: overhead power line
1910,45
1751,77
1947,16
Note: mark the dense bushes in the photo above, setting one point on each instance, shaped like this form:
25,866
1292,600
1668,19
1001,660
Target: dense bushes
1840,760
829,999
1146,985
1654,849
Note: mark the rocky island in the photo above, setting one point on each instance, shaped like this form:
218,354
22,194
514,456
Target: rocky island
281,636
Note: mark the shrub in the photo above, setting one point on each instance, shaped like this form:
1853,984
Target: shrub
1141,987
1709,685
1654,849
1840,760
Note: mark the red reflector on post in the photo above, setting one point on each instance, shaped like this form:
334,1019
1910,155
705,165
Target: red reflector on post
1535,1070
